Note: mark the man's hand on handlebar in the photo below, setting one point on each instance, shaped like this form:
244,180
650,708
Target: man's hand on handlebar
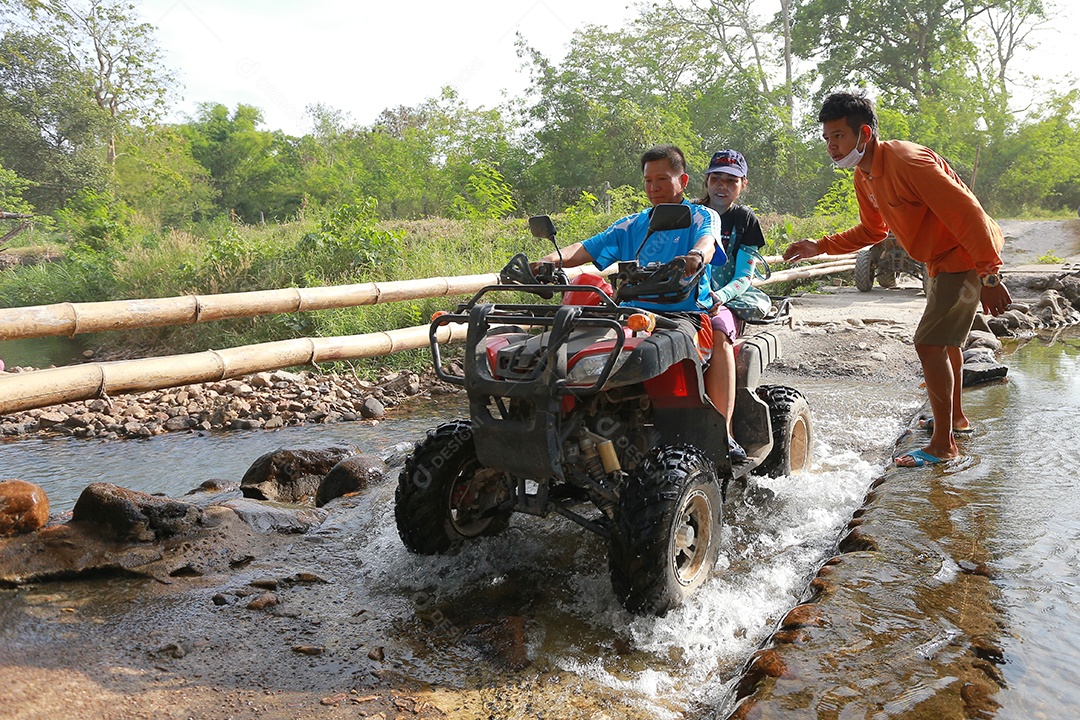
693,262
542,268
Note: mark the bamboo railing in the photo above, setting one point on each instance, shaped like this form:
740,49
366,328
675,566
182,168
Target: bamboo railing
42,388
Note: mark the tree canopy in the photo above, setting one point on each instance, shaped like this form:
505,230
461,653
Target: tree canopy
83,90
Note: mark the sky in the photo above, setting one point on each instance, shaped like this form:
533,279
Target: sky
363,57
359,57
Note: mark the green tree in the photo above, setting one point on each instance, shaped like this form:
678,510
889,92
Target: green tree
614,95
105,42
245,163
12,189
1039,166
486,196
52,131
158,177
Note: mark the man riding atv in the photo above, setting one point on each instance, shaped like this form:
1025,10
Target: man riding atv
664,170
594,409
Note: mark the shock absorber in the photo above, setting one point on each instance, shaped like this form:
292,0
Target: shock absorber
590,457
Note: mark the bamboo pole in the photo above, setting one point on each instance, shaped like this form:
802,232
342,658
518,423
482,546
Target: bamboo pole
815,259
76,318
42,388
806,273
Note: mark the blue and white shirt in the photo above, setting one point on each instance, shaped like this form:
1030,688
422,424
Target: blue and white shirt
620,241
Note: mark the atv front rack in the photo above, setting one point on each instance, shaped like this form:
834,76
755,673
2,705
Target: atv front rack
549,368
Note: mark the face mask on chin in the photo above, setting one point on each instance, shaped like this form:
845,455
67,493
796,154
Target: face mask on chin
853,158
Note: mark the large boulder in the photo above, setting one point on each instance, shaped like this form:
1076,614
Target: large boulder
134,516
350,475
291,476
24,507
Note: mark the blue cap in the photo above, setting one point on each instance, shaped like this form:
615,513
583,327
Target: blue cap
728,161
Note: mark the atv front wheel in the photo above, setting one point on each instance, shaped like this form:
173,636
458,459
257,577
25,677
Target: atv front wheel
667,532
445,496
793,431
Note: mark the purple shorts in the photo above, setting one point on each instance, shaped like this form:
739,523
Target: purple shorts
723,321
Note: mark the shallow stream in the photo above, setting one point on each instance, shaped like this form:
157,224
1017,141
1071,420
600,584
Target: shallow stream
584,650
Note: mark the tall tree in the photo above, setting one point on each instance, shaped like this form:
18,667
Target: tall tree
106,42
900,45
52,131
615,94
245,162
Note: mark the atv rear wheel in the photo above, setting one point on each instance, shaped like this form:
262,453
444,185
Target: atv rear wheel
445,496
793,431
667,532
864,270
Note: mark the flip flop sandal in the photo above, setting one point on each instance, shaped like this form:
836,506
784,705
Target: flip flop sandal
919,457
927,424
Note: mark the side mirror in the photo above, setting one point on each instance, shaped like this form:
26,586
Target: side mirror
666,216
542,227
669,216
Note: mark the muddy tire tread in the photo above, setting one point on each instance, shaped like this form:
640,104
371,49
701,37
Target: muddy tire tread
638,558
422,510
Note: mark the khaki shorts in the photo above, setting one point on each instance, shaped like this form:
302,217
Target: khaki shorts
951,302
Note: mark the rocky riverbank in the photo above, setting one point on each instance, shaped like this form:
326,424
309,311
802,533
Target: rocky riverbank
265,400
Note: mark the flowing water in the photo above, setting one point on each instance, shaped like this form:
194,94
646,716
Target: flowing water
777,532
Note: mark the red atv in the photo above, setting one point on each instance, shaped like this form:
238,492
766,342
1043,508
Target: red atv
597,412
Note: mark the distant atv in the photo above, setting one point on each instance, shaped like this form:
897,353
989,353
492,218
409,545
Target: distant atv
597,412
884,262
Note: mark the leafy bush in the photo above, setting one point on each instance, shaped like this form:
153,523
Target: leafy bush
96,221
487,195
12,188
349,243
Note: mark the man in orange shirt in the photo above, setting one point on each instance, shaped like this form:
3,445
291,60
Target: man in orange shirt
912,191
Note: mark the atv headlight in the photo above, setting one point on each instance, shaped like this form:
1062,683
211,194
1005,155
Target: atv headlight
588,369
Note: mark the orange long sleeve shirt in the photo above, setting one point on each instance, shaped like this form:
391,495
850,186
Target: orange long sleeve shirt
912,191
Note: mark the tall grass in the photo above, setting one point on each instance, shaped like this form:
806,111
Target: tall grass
342,246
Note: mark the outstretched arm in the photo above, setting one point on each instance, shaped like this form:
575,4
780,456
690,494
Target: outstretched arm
801,250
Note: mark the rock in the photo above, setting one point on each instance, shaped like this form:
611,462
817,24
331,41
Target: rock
1018,320
980,372
290,476
979,355
310,650
24,507
267,518
1070,288
999,326
372,408
171,650
980,324
263,601
396,456
350,475
131,515
51,418
982,339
